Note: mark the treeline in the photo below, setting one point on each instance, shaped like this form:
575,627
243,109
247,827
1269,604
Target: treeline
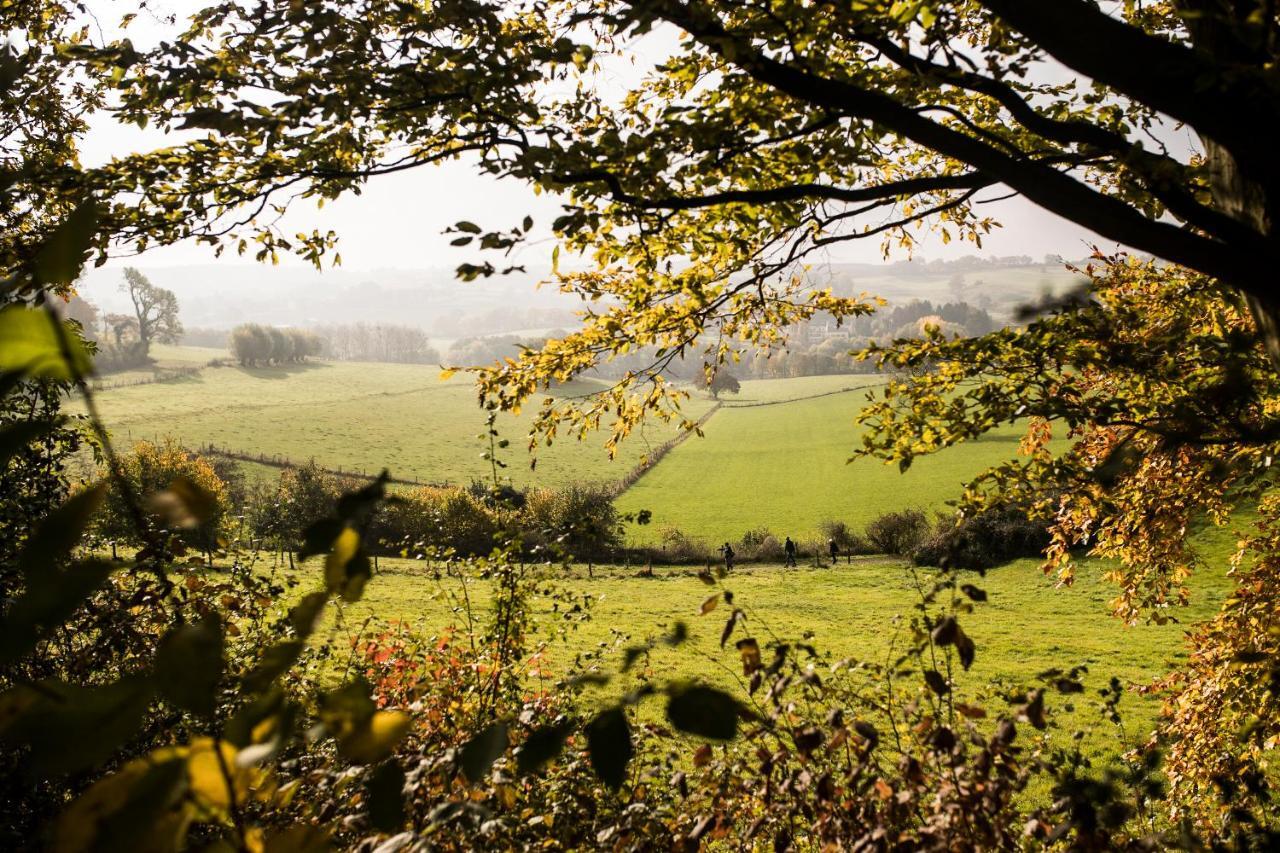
377,342
578,521
970,263
254,345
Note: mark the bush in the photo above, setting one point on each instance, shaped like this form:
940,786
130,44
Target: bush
847,539
680,547
432,517
152,469
898,533
580,519
990,538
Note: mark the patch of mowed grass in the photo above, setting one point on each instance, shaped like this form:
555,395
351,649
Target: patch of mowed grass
786,468
362,417
853,611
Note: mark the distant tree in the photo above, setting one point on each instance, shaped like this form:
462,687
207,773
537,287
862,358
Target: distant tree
155,309
723,381
281,348
85,313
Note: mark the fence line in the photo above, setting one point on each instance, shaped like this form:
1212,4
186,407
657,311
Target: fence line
160,374
283,462
809,397
627,480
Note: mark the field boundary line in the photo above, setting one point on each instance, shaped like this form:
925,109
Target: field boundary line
284,462
802,399
627,480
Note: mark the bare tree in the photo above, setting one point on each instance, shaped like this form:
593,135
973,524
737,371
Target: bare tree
154,308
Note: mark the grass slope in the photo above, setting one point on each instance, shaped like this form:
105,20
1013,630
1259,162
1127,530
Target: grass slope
1027,627
359,417
785,466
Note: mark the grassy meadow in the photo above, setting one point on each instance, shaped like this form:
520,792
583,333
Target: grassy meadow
775,456
852,611
357,417
778,456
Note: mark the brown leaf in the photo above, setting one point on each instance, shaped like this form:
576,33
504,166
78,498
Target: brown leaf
749,649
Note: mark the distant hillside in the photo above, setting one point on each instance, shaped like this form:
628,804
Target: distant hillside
220,296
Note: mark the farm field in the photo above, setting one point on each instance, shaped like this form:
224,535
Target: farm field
774,456
358,417
785,467
852,611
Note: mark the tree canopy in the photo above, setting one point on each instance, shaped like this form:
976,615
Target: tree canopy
759,135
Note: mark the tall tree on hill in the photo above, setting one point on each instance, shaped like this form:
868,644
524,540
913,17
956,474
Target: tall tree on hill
154,308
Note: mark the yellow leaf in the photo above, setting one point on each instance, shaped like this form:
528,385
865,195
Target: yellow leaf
335,565
709,604
207,778
378,739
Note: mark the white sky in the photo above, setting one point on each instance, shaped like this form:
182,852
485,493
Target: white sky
398,220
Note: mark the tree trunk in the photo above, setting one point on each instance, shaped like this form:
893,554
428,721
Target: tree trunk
1245,201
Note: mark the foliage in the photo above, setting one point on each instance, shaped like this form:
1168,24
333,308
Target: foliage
577,520
254,345
899,533
722,381
381,342
174,478
1169,404
983,540
847,540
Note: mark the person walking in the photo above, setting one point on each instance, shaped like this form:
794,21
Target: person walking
789,549
728,557
835,551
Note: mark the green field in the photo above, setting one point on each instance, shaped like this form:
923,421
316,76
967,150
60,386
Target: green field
1028,626
774,455
785,466
357,417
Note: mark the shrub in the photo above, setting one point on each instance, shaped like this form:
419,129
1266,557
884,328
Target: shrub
680,547
847,539
153,469
990,538
580,519
768,549
898,533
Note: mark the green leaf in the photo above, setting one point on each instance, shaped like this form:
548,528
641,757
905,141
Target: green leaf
33,346
468,227
541,746
189,666
936,682
149,800
126,811
704,711
305,613
609,745
47,604
69,728
479,753
58,533
319,536
15,436
385,794
60,259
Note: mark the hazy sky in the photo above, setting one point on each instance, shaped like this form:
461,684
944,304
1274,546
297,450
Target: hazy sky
398,220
